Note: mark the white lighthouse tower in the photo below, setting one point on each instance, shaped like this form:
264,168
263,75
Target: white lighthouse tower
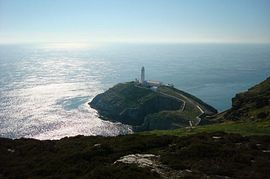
142,75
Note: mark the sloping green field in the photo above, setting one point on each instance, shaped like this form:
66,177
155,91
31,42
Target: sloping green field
243,128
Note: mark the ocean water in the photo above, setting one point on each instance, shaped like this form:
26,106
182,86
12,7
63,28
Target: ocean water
45,88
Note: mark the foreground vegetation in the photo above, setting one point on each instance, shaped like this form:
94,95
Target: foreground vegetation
203,155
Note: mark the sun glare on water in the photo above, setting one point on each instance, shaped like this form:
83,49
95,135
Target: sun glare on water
69,45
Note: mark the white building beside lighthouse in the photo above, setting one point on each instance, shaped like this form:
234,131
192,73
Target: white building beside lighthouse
148,83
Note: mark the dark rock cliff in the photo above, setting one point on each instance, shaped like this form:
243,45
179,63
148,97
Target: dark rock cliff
129,104
135,116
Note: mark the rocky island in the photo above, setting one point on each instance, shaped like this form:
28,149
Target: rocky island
149,105
144,109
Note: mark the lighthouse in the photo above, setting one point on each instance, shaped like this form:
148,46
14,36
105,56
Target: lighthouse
142,75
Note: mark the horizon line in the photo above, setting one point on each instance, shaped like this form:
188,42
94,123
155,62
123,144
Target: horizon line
132,42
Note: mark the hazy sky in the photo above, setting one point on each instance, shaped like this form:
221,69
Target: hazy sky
244,21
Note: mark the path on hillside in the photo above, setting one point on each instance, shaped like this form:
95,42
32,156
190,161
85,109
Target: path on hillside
190,101
194,103
184,103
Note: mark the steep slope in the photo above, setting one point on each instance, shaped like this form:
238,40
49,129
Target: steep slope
251,105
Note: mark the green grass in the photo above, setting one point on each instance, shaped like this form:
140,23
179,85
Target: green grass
128,94
243,128
178,93
190,111
261,87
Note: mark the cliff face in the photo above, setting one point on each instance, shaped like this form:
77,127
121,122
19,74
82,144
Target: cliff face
135,116
130,104
253,104
144,109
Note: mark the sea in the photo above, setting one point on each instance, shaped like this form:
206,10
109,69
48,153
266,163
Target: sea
45,88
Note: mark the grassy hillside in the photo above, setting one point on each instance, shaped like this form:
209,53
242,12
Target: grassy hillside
249,115
127,95
243,128
191,111
189,98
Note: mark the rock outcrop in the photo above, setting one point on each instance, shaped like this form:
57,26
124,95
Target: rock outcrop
253,104
151,162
